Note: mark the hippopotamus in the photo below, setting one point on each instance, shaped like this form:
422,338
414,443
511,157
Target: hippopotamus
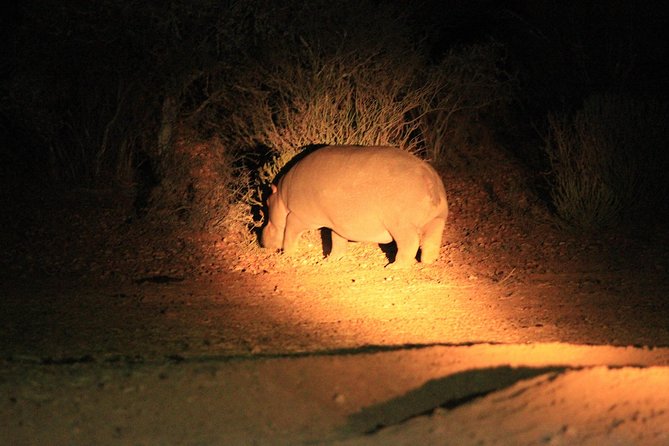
364,194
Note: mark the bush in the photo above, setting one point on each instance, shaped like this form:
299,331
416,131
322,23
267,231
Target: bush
608,161
333,84
367,96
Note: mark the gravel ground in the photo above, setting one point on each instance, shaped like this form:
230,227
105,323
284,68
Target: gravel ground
118,330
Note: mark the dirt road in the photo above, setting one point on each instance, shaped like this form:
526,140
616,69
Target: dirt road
322,353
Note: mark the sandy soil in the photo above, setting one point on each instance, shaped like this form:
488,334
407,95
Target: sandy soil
119,331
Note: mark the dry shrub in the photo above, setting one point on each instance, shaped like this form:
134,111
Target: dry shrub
608,161
346,97
371,97
342,101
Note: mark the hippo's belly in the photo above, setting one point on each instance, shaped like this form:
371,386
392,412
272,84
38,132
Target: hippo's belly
365,236
358,232
353,218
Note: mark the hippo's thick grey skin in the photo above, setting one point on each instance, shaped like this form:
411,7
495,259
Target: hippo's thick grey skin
366,194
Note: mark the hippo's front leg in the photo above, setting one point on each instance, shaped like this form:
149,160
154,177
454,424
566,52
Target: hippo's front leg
294,228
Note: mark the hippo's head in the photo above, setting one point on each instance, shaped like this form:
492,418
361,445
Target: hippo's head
272,233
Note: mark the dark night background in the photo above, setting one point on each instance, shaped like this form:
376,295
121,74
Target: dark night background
93,93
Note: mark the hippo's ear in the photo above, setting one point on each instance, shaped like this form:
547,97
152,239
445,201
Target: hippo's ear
274,189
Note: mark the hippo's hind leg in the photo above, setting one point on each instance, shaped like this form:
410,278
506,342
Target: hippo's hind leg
430,242
407,240
294,228
339,245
